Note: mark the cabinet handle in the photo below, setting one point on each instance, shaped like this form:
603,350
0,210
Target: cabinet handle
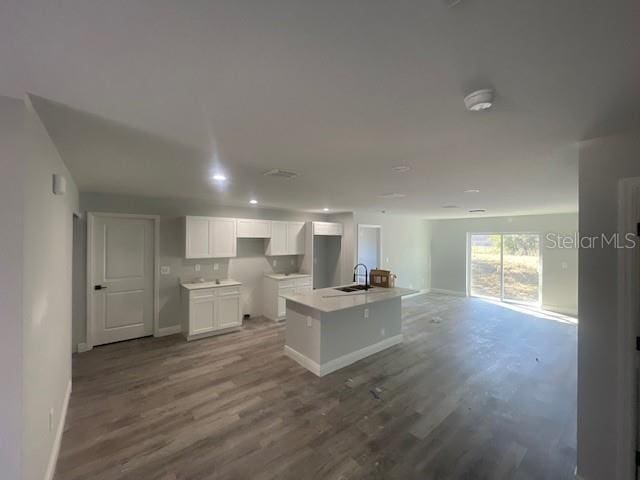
99,287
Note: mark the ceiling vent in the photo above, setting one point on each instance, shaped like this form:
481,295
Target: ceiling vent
276,172
477,210
392,195
450,206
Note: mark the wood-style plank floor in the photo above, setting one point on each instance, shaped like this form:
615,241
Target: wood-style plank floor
476,391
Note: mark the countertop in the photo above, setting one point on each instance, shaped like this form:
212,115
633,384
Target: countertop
283,276
330,300
211,284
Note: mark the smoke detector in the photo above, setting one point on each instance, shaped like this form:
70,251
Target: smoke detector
276,172
479,100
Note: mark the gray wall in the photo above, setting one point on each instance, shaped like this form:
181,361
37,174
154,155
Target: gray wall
37,318
603,162
559,284
12,130
248,267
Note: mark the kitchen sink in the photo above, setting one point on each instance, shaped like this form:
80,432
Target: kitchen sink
353,288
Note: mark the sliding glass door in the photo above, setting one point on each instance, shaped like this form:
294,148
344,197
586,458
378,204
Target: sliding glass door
505,266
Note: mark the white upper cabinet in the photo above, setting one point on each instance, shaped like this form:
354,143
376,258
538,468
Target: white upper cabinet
278,243
222,232
250,228
287,238
295,238
327,228
216,237
197,240
210,237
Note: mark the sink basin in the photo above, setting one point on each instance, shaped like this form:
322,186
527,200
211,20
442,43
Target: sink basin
353,288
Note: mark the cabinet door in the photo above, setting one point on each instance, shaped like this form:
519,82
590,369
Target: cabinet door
282,303
228,311
201,314
295,238
223,237
249,228
197,237
278,242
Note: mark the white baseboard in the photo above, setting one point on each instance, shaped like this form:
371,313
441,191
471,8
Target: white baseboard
55,450
344,360
175,329
306,362
443,291
83,347
420,292
572,312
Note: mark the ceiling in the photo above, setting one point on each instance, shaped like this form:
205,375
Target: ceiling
152,97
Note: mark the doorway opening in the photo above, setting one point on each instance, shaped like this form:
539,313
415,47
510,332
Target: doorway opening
505,267
370,246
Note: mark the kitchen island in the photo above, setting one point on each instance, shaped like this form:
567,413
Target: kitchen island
328,329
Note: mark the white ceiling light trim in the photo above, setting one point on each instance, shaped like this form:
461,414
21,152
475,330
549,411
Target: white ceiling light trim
392,195
401,168
479,100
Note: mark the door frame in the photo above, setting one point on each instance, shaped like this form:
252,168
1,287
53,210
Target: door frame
366,225
628,310
91,216
538,304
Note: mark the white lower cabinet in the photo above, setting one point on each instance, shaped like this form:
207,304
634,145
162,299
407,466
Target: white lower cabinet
275,307
210,311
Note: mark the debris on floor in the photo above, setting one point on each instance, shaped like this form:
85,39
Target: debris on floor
435,320
376,393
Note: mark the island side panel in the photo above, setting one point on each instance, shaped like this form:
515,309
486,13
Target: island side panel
346,336
302,337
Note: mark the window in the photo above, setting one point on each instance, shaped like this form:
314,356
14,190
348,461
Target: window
505,266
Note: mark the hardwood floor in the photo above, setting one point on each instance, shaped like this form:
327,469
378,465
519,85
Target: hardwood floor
476,391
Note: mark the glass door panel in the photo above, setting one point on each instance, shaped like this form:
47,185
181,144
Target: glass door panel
521,267
485,264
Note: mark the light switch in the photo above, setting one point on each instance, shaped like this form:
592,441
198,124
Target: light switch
197,267
366,313
165,270
293,262
275,262
564,265
308,321
216,266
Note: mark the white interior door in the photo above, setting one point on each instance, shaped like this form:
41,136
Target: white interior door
369,246
122,278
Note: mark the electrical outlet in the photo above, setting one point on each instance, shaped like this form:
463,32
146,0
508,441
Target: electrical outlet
366,313
308,321
275,262
165,270
564,265
411,285
197,267
51,419
383,332
216,266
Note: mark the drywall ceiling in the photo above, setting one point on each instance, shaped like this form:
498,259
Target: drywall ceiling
151,97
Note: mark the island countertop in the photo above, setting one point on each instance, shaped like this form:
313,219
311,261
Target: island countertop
331,300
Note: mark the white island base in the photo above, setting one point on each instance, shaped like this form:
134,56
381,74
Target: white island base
327,330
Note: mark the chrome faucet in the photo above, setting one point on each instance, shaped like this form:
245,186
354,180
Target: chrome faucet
366,275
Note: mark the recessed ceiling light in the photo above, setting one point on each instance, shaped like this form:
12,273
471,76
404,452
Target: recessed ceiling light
325,209
473,190
278,172
477,210
219,177
450,206
401,168
392,195
479,100
253,201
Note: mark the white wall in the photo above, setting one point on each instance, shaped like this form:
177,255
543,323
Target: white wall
449,254
40,357
248,267
12,131
405,247
603,162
